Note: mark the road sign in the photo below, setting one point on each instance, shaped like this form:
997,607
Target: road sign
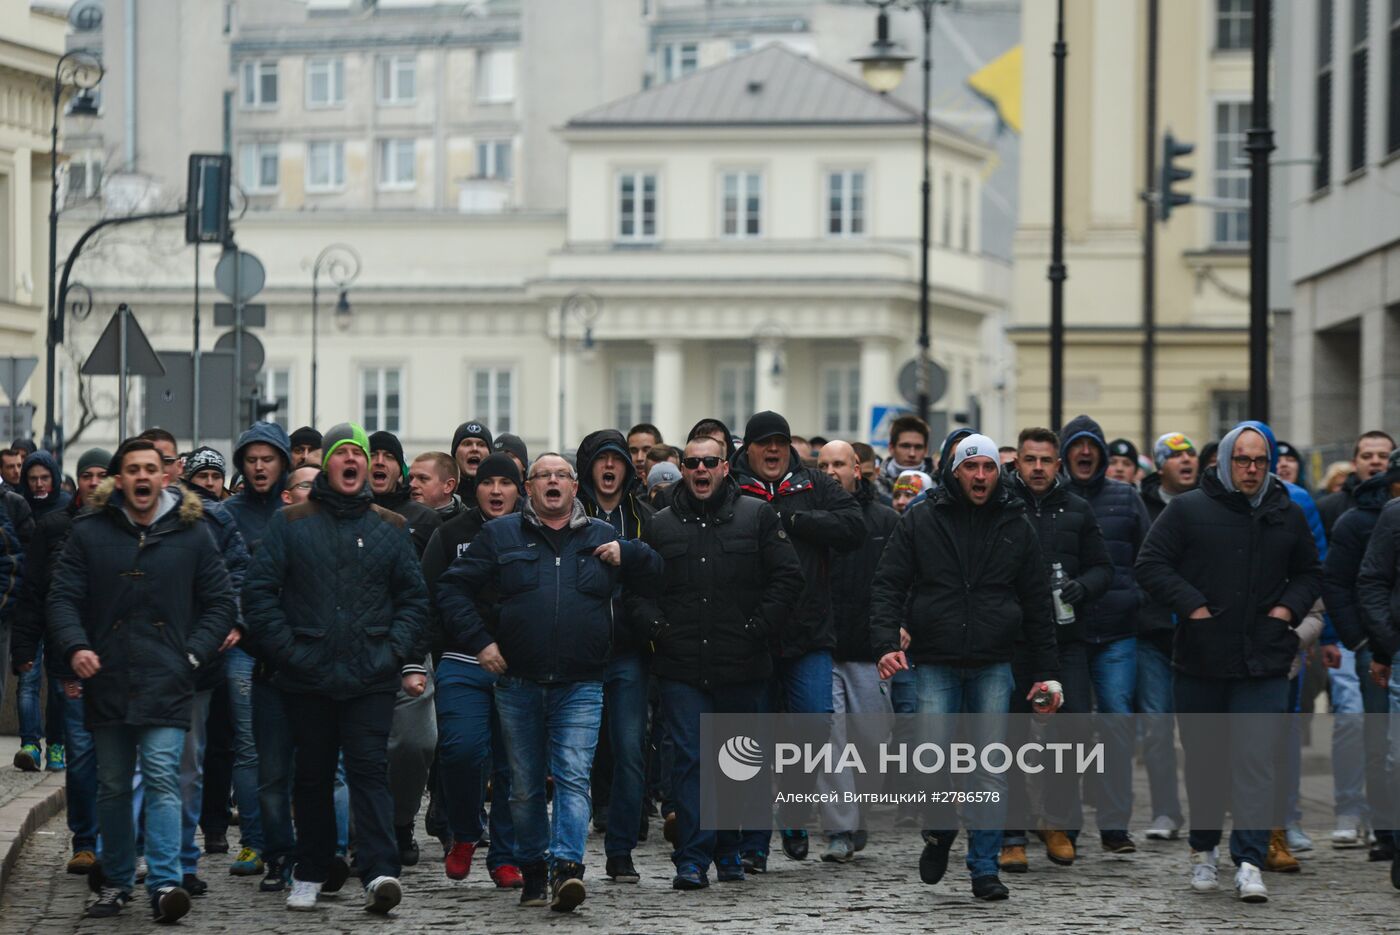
239,275
881,418
253,355
15,373
106,356
254,315
17,421
169,399
909,382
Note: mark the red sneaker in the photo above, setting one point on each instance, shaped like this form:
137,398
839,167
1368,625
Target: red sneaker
458,862
507,877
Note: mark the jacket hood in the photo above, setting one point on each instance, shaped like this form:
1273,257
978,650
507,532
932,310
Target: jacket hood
1084,427
728,434
951,493
945,455
1374,494
591,449
191,507
266,433
1271,495
1227,451
58,498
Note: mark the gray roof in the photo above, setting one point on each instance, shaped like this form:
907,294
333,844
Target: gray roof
770,86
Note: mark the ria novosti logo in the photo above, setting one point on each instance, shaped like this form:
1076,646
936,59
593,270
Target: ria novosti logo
740,758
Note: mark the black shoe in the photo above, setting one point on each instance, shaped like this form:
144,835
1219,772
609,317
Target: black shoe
110,901
620,870
278,877
933,862
600,819
169,904
568,887
215,842
96,878
337,875
729,870
194,885
689,877
408,847
1118,842
1395,871
535,890
644,829
754,862
795,844
1381,852
989,888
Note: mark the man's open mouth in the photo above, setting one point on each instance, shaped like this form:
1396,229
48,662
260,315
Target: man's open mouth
496,504
142,490
350,474
609,478
380,474
702,483
553,495
473,460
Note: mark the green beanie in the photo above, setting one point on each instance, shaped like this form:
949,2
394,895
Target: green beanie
346,433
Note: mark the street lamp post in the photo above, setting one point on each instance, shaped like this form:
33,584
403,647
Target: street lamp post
586,307
83,70
1058,273
883,68
341,263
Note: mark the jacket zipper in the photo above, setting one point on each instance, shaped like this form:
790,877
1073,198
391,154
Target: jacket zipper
558,583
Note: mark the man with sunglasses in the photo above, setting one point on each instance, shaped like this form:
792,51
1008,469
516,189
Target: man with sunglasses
1238,566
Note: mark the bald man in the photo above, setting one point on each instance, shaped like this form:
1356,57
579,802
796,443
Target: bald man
856,687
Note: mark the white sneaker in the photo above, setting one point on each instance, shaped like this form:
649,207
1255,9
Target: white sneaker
382,894
302,898
1204,877
1348,833
1249,884
1163,829
1298,840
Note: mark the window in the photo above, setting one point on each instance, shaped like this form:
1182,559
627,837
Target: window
1360,41
493,159
396,80
1392,137
83,177
965,229
741,204
1322,106
493,397
636,206
495,76
841,401
1228,408
946,233
396,164
325,166
258,167
845,203
1230,175
259,84
325,82
382,397
678,59
740,46
633,395
277,385
736,393
1234,24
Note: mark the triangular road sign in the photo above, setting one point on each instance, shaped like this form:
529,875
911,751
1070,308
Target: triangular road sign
141,359
14,373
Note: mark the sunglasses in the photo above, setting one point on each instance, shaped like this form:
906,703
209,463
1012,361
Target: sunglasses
168,461
710,461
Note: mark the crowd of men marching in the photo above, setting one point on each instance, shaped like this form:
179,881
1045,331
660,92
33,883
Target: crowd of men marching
530,642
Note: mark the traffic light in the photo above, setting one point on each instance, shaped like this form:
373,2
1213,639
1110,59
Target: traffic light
207,197
257,409
1171,173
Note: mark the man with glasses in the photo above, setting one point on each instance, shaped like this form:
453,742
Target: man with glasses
1236,563
554,572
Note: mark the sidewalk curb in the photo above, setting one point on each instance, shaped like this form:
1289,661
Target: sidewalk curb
26,813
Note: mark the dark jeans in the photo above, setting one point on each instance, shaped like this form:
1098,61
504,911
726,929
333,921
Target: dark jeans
1064,808
1113,673
272,730
27,705
625,710
470,745
1154,699
81,778
1253,767
323,728
218,765
681,707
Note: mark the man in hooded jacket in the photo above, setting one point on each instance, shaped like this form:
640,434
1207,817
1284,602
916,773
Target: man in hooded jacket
263,456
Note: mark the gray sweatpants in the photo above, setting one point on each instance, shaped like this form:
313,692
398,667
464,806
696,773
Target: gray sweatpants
856,689
412,743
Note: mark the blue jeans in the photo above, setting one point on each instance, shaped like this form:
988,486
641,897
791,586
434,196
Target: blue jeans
238,676
192,780
160,749
81,778
1063,803
1113,673
27,703
986,691
625,699
470,745
1348,744
550,729
1154,699
681,707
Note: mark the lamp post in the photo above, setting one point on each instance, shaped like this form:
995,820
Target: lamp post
83,70
883,68
341,263
1058,272
586,307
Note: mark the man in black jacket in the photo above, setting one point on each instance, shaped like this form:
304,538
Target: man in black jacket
336,601
138,603
1110,623
388,482
1236,563
263,456
732,580
471,443
1368,456
822,519
1070,538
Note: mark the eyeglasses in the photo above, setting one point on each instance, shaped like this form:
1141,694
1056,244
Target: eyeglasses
1243,461
168,461
710,461
303,485
551,475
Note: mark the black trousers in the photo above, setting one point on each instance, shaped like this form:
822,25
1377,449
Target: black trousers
323,728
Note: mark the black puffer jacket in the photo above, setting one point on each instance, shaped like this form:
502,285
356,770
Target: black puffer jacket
335,599
421,520
634,511
1068,533
1346,547
977,581
852,574
1210,549
1124,522
1155,620
1378,586
151,602
1331,507
449,541
28,628
731,581
822,519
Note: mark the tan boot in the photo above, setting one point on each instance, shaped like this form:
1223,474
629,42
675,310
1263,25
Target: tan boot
1058,847
1013,859
1280,859
82,862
